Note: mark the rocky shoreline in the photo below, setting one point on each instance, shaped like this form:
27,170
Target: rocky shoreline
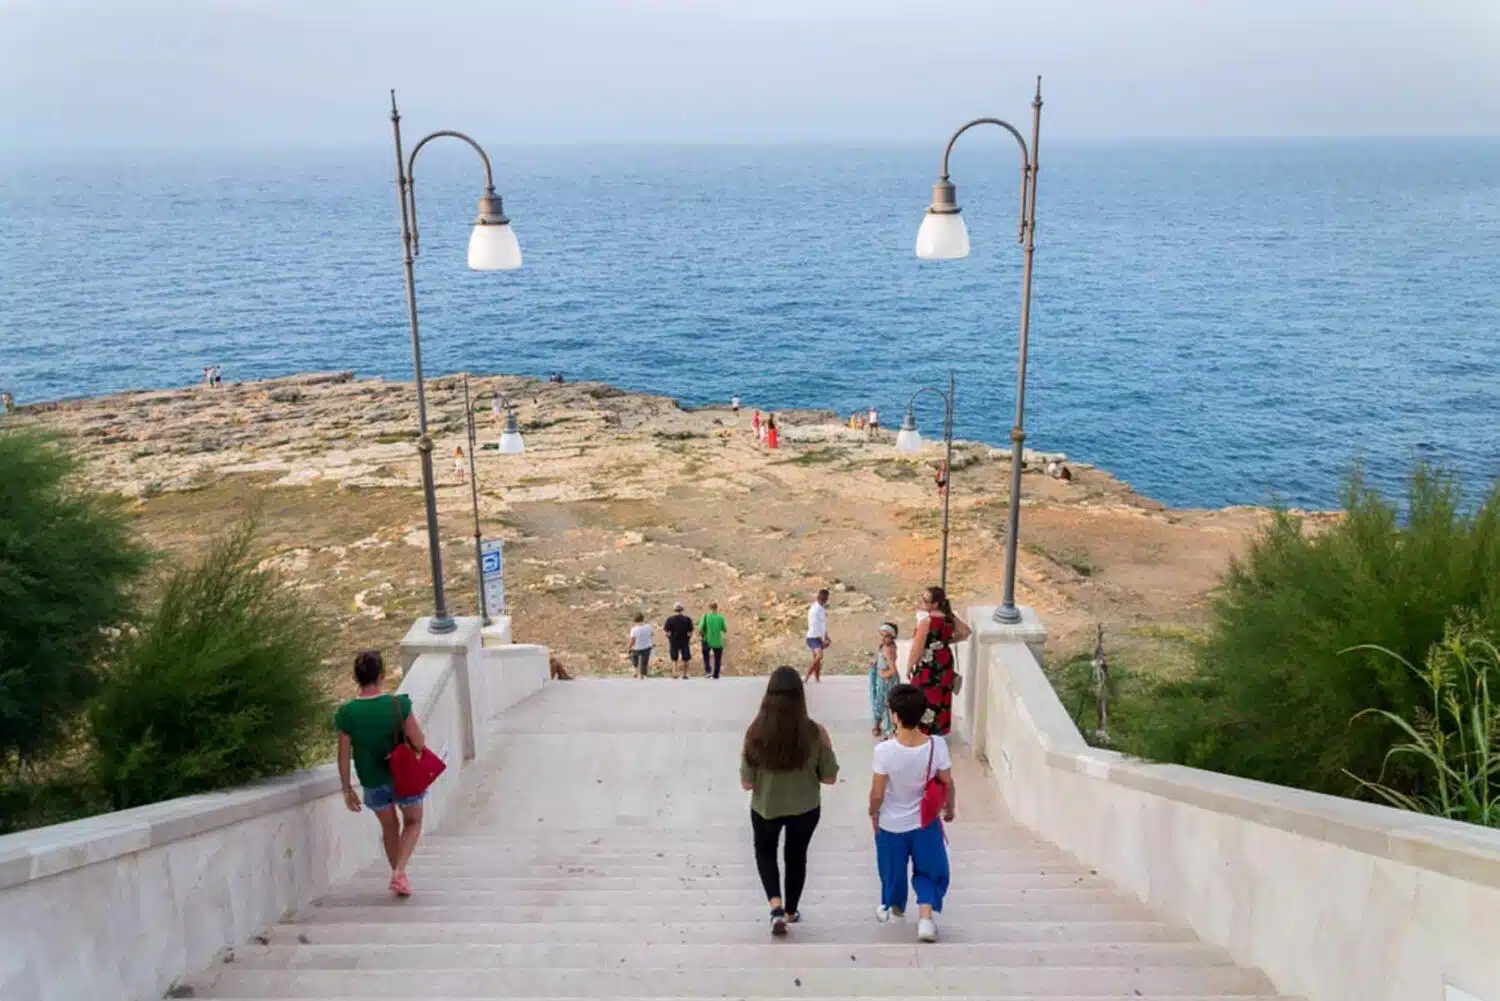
628,501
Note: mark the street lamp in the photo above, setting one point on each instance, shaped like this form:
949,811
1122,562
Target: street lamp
515,446
908,439
943,237
492,247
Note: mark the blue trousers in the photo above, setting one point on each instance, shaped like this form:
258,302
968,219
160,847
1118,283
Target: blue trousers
925,853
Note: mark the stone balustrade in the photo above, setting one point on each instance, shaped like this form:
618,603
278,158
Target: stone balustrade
117,907
1336,900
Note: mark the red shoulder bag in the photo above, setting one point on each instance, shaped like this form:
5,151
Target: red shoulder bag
935,794
412,771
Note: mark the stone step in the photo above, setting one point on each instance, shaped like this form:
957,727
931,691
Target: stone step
638,933
640,835
799,997
976,863
817,898
790,954
415,909
228,981
855,879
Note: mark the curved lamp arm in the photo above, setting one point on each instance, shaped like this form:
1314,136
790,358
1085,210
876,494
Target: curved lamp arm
489,204
944,197
947,403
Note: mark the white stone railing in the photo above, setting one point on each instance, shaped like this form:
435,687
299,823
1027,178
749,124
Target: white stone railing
1335,900
117,907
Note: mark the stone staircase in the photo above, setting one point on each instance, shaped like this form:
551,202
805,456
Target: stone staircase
607,855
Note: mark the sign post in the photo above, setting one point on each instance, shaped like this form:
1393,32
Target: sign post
492,572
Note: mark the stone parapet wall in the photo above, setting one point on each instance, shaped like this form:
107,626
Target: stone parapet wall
117,907
1336,900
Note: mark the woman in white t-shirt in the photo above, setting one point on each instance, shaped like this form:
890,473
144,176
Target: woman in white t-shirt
903,767
640,645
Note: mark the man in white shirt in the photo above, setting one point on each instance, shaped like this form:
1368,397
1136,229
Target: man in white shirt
817,635
872,422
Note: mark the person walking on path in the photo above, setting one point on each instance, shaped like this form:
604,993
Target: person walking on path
679,630
368,728
460,467
785,760
904,767
883,678
711,630
931,665
640,646
817,635
772,437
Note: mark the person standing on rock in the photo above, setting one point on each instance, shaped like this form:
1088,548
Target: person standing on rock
734,404
817,634
640,646
872,423
367,727
907,818
772,437
679,630
711,629
755,425
785,761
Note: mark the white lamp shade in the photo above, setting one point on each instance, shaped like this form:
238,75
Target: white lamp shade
493,247
908,440
943,237
511,443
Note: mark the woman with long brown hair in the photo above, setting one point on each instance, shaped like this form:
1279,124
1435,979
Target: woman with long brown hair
931,665
786,759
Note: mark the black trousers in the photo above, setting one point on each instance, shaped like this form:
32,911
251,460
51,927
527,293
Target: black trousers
799,832
718,656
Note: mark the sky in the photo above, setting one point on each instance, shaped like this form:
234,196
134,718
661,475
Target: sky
196,73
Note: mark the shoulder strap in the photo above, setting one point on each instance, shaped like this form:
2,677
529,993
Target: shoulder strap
931,750
399,731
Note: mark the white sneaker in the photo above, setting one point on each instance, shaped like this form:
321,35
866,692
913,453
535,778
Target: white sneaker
882,914
926,930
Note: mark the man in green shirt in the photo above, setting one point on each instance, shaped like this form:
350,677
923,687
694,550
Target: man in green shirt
712,629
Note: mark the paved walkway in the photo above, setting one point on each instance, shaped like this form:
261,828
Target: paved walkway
606,853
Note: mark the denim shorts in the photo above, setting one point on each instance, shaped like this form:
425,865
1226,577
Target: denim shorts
813,643
384,797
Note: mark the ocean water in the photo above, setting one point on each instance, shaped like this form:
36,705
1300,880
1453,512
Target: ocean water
1216,323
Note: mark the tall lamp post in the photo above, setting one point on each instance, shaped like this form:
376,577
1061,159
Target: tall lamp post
910,440
492,247
510,444
943,237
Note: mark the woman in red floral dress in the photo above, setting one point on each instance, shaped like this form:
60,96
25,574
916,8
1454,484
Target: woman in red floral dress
931,665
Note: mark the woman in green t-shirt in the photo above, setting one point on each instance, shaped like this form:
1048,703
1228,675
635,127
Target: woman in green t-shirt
367,735
786,757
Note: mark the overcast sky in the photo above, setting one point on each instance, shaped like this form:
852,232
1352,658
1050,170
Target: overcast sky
152,73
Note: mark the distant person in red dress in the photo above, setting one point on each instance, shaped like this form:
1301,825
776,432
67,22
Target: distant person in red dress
772,438
932,666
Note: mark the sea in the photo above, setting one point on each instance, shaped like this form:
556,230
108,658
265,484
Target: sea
1215,322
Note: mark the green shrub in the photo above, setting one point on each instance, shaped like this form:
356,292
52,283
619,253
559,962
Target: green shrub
1453,741
67,563
1274,693
218,687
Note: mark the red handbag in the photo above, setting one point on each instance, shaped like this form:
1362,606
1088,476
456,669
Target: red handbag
412,771
935,793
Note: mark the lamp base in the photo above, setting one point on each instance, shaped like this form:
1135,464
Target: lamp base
441,625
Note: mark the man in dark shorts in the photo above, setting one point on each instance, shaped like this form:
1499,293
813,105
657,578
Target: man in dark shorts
679,630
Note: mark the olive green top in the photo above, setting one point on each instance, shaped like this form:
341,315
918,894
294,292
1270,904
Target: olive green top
787,794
